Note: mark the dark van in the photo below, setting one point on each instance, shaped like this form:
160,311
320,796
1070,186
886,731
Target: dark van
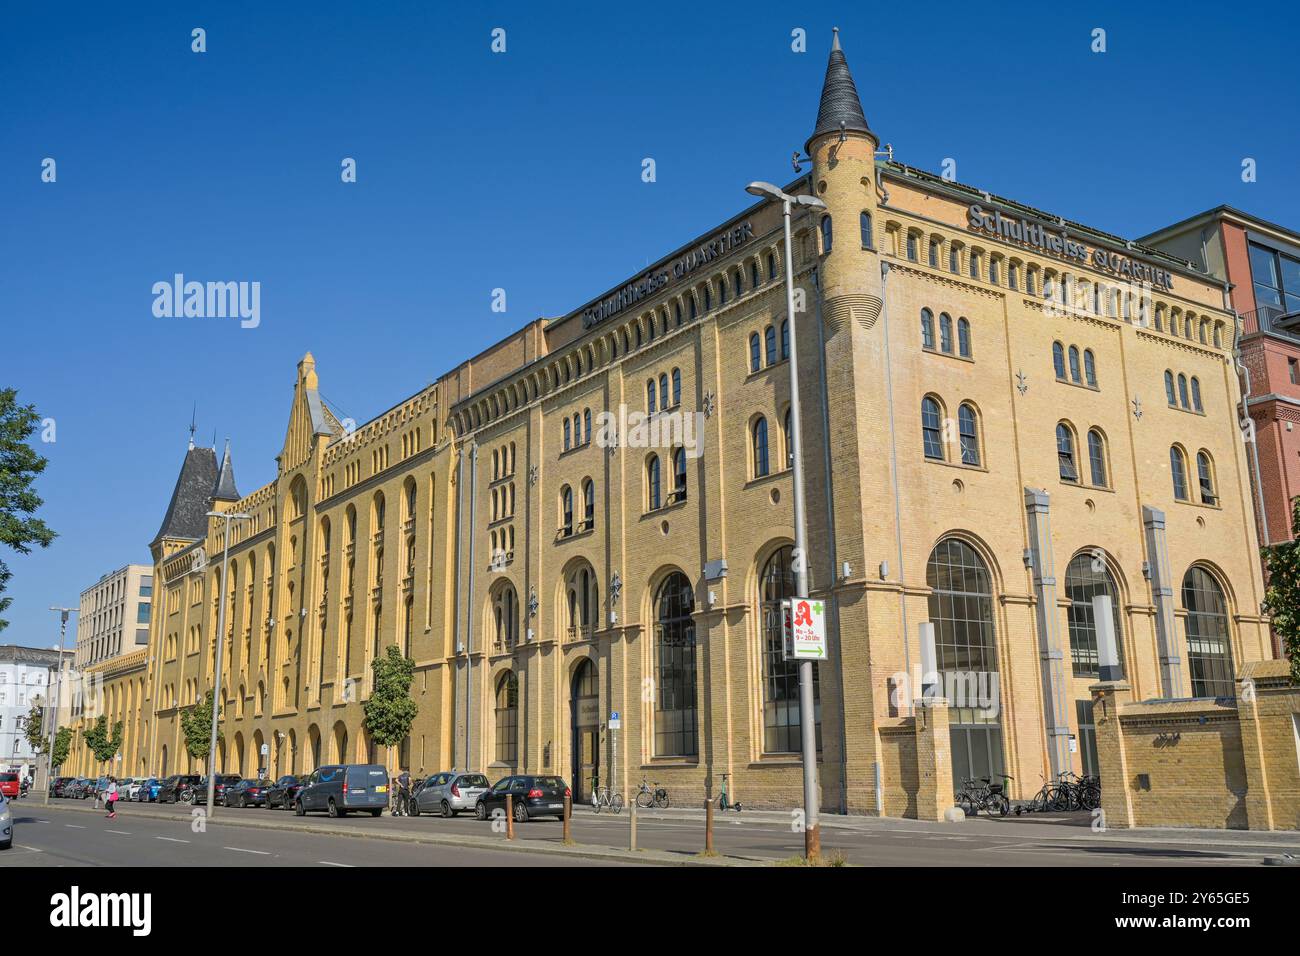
338,789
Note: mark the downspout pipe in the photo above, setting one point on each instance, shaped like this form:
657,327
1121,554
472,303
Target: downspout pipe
469,608
893,469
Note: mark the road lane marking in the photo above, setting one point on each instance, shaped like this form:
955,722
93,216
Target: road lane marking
240,849
328,863
171,839
123,832
74,826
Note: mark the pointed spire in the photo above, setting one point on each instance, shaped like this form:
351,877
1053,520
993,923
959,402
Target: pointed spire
840,107
193,413
224,489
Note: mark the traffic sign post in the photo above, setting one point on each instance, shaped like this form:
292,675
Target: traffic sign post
615,724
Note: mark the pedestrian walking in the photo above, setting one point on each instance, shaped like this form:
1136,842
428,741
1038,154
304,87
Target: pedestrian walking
110,798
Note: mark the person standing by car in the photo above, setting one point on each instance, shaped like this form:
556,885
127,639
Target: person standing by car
110,798
402,794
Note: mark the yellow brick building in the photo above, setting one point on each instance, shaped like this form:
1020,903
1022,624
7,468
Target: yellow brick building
1004,413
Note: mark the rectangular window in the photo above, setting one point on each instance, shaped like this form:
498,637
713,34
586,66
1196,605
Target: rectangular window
1087,738
1293,369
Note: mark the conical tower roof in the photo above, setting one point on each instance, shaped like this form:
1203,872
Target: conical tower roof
225,487
840,103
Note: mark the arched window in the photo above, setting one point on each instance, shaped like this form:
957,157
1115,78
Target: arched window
1178,471
1209,650
663,390
507,718
679,474
826,234
1029,282
932,428
1013,276
974,264
566,511
993,271
1196,395
505,616
677,312
963,338
650,396
577,430
789,440
753,273
568,439
1182,391
708,298
694,307
675,713
864,227
945,332
954,259
588,503
755,353
1097,458
1074,363
781,677
1065,453
927,329
911,246
771,267
1169,389
581,598
1058,359
1089,368
785,338
759,432
934,253
970,442
961,610
737,283
677,387
586,429
653,499
722,290
1087,576
769,344
1205,478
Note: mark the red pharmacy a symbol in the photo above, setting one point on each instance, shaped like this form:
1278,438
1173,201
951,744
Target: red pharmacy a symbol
803,614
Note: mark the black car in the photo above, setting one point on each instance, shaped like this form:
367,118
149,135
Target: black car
224,780
180,788
532,796
246,793
59,785
280,794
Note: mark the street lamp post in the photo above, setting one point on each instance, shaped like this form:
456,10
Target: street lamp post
54,717
807,717
227,517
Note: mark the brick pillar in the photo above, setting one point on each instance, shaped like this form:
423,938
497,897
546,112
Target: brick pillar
1108,698
934,792
1259,795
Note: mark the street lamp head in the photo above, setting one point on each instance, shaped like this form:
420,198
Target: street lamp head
810,202
230,515
765,189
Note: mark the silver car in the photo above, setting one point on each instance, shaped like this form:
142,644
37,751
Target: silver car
6,823
449,793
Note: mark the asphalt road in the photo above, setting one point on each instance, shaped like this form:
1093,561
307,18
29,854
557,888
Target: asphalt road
1049,840
57,836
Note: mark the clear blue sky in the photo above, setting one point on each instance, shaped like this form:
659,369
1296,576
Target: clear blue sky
520,171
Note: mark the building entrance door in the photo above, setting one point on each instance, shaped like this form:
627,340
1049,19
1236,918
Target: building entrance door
585,726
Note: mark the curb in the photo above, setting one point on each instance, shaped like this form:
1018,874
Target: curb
641,857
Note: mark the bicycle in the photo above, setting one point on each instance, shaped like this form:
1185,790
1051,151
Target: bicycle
983,794
400,803
604,798
723,802
646,798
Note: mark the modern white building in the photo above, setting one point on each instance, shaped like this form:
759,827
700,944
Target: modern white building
25,678
114,615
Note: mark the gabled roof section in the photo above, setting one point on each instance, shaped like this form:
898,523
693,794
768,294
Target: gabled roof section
308,417
840,103
191,500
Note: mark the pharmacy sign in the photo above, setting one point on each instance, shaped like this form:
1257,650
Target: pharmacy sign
805,629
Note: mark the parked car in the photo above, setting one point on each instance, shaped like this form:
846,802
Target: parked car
339,789
224,780
247,793
175,787
97,788
59,785
448,793
281,794
6,823
10,785
147,792
82,788
533,796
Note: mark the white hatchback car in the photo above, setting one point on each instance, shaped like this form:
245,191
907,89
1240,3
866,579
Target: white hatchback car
6,823
449,793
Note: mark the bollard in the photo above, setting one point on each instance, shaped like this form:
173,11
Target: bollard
632,825
568,812
708,827
510,817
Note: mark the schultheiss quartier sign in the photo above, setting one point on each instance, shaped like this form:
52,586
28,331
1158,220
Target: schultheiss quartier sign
651,282
1058,243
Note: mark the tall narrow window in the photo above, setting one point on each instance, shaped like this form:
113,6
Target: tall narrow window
945,332
789,441
1178,471
755,353
963,338
1097,458
586,428
931,429
677,387
588,503
568,439
663,390
780,676
934,253
650,396
736,283
771,267
911,247
769,344
753,274
826,234
1089,368
507,718
927,329
993,271
974,264
708,298
1205,476
566,511
1196,395
785,338
1013,276
760,447
1182,391
970,443
653,499
954,259
1058,359
1169,389
1065,453
679,474
722,290
675,711
1085,578
864,227
1209,651
1074,363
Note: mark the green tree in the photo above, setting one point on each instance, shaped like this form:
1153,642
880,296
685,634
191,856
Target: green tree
196,725
62,744
19,466
32,729
103,744
1282,599
390,711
